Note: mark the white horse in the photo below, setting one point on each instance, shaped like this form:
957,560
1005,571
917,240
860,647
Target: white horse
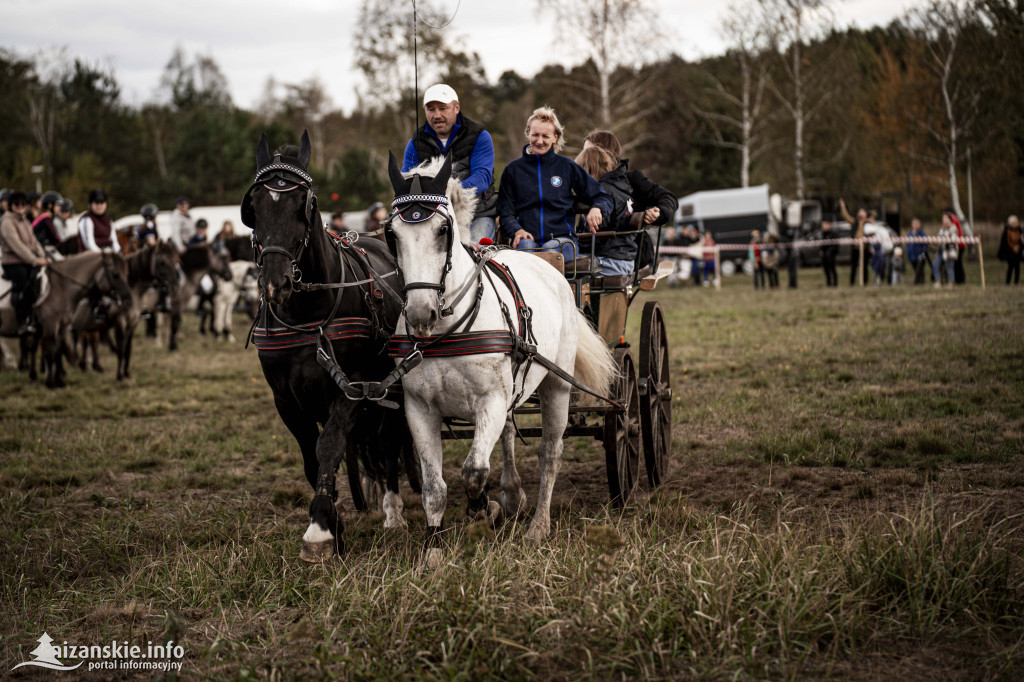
481,388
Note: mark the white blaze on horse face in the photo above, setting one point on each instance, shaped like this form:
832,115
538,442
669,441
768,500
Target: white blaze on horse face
421,251
275,195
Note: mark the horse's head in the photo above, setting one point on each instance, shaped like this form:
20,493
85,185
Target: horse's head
432,212
111,278
281,209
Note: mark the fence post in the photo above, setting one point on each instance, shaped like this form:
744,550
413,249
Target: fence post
981,262
718,267
860,263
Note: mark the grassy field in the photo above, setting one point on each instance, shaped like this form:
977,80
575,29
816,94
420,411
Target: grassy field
845,503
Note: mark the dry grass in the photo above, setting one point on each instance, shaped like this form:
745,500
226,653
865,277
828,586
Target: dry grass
845,503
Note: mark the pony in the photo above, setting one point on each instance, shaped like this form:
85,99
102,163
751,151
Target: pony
326,315
455,295
196,261
92,274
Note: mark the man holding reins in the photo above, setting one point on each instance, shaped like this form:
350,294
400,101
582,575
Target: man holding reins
448,133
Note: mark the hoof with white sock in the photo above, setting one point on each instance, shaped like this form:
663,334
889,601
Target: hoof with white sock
318,545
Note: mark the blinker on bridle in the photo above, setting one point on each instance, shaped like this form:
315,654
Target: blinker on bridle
280,176
417,207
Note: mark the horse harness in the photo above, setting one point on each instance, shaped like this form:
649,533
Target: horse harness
282,176
517,340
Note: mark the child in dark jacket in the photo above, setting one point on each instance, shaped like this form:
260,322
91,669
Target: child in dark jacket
615,255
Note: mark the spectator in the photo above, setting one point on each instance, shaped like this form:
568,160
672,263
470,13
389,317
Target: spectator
947,255
709,258
43,227
95,231
897,267
958,230
1010,248
373,224
754,257
337,226
35,206
20,256
220,242
538,191
199,238
858,226
917,253
146,234
448,132
770,259
182,227
829,252
4,194
62,216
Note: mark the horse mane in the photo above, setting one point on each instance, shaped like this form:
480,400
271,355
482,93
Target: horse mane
463,199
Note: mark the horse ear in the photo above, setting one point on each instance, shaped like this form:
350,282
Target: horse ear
263,152
441,179
398,183
305,151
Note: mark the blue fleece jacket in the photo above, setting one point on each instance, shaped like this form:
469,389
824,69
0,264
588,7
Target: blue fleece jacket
481,159
915,251
537,194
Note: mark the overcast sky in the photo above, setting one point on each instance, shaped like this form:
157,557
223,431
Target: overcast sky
252,39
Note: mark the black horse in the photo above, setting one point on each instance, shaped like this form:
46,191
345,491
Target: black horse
322,296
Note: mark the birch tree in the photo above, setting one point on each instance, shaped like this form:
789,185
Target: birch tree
804,87
748,32
616,37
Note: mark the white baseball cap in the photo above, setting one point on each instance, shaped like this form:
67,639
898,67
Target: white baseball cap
440,93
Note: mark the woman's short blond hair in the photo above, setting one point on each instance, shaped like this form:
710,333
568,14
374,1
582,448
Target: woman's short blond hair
547,115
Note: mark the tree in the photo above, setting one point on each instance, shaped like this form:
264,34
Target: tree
748,32
614,38
805,85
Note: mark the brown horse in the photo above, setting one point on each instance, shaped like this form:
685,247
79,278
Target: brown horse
94,275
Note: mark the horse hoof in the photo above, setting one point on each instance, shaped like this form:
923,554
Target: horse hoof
536,533
495,514
433,558
511,510
317,552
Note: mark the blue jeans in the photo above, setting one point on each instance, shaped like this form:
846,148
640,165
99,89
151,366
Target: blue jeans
482,227
937,269
614,266
565,244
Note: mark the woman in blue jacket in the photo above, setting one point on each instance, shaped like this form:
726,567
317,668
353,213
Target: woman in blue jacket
535,201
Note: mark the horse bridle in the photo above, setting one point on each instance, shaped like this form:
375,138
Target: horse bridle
414,208
281,177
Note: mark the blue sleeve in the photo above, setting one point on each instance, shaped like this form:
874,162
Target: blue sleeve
411,157
481,164
507,204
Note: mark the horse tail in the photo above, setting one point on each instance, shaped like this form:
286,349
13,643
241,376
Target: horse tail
595,366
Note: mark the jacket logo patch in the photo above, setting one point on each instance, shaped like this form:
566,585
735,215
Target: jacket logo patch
556,181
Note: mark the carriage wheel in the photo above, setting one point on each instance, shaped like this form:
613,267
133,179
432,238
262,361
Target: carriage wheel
656,398
622,432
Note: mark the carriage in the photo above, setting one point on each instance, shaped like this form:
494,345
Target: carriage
508,338
640,421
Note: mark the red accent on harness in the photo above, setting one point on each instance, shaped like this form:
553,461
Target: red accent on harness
280,338
466,343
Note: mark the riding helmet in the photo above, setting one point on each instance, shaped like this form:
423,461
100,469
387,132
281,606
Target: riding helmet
97,196
149,211
66,205
4,193
50,198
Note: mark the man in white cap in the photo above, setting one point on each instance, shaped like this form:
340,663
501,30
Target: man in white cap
448,133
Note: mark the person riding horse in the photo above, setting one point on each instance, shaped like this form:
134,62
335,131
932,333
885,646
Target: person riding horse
21,256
